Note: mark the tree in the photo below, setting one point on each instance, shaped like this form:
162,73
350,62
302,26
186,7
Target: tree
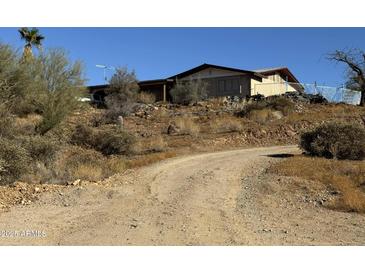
355,60
187,92
121,96
32,38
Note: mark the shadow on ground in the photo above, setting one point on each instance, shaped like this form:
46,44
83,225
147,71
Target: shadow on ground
280,155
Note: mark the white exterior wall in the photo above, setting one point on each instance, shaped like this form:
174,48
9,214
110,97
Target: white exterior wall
272,85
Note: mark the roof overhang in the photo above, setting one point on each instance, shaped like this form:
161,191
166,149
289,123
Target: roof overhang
155,82
205,66
283,70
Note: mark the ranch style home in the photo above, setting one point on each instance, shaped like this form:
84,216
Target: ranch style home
222,81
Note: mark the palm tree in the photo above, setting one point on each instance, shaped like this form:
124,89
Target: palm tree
32,38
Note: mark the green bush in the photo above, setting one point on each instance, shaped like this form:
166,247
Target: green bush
60,85
6,123
187,92
108,141
333,140
14,79
14,161
48,84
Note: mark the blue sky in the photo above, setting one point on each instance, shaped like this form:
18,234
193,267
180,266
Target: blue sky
162,52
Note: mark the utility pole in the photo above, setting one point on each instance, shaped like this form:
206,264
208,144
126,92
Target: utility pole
104,67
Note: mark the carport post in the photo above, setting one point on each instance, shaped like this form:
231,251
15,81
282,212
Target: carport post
164,92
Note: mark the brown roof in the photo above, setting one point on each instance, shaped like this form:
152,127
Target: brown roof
283,70
204,66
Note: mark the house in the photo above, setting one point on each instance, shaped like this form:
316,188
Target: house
222,81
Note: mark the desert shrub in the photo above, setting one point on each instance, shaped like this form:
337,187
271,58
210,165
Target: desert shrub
83,135
274,103
280,103
60,85
27,125
187,92
75,162
334,140
106,140
15,161
115,141
226,124
261,115
39,148
146,97
255,105
122,93
187,125
152,144
48,84
6,123
14,80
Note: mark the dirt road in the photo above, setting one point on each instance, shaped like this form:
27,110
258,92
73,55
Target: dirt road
222,198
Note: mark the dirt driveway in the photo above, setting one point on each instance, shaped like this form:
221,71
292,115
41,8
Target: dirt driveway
222,198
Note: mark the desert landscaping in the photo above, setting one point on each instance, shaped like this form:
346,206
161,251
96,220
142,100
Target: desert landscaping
286,169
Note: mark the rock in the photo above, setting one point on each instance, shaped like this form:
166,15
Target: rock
120,121
290,133
172,129
277,114
74,183
37,189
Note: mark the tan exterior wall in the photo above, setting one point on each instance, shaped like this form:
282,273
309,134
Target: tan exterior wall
272,85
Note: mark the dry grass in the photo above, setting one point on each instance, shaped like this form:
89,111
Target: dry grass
146,97
216,102
78,163
148,145
156,144
87,171
150,159
226,124
261,116
27,124
345,177
187,125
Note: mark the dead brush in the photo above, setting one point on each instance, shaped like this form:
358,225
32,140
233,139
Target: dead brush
145,97
150,145
344,177
150,159
86,164
226,124
28,124
187,126
261,116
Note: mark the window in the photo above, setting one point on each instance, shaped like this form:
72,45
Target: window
221,85
231,85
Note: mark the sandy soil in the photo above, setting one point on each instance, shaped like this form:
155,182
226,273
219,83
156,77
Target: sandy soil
223,198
